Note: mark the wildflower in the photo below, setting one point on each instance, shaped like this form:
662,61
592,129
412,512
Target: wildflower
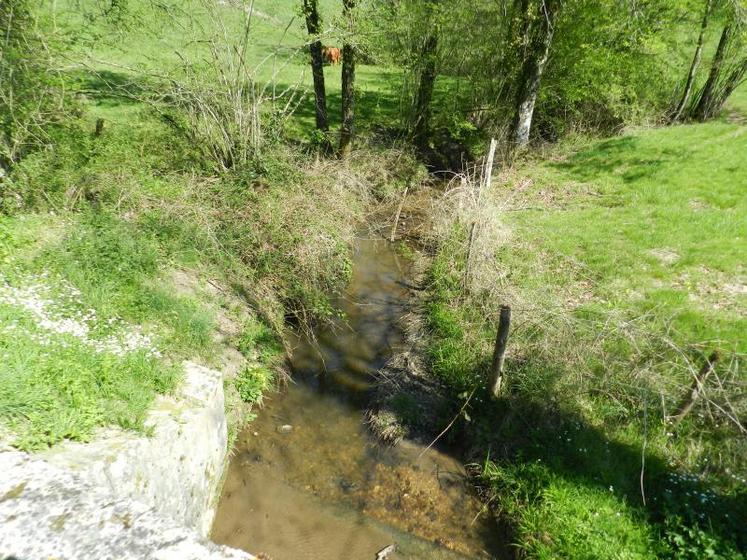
52,312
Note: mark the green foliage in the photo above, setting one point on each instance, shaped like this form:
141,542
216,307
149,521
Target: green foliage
685,541
252,383
31,97
603,58
257,338
599,76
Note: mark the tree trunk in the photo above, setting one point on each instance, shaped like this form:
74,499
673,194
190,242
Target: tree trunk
695,63
705,107
347,129
317,64
422,109
532,68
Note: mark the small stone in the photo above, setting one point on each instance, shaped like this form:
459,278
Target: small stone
255,434
285,429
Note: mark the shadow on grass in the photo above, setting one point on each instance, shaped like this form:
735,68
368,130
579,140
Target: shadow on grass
618,156
113,88
516,432
373,108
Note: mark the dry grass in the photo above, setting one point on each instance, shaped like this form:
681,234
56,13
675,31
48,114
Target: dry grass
592,381
565,341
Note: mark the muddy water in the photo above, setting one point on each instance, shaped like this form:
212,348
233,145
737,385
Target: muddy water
308,482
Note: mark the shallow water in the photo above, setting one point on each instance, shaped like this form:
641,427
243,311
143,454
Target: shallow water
323,488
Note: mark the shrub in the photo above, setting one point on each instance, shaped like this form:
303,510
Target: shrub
253,382
31,97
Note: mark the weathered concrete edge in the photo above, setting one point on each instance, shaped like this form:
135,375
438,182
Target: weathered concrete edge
49,512
178,469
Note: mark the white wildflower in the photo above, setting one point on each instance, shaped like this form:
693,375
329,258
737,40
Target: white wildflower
53,311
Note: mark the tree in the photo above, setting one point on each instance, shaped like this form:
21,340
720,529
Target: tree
695,63
31,91
348,84
424,95
313,25
729,64
539,27
706,105
425,55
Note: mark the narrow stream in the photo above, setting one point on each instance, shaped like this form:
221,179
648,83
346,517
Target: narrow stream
308,482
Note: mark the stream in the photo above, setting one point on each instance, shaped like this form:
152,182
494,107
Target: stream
307,481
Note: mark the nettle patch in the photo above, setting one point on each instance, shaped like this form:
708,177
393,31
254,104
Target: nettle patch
66,370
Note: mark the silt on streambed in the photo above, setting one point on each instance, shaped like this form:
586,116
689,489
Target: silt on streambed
308,481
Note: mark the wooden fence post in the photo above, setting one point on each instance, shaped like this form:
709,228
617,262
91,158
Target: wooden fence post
496,369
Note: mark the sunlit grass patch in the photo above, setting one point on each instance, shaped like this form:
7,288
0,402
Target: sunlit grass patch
87,336
660,233
64,371
559,518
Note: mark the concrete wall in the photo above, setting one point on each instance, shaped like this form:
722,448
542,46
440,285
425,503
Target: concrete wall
173,476
177,470
49,512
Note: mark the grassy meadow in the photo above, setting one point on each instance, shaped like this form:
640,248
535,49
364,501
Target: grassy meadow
150,45
623,259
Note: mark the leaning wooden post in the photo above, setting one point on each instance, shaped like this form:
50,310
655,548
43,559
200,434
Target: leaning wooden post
496,369
696,390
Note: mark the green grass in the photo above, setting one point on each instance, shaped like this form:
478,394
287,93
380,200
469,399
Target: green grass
82,344
615,246
738,101
588,522
662,233
139,49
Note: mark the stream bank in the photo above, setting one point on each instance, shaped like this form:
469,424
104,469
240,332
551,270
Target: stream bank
308,480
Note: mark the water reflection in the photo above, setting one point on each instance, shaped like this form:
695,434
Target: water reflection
307,480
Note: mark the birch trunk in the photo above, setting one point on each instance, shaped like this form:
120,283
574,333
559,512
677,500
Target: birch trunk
539,41
695,63
347,129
